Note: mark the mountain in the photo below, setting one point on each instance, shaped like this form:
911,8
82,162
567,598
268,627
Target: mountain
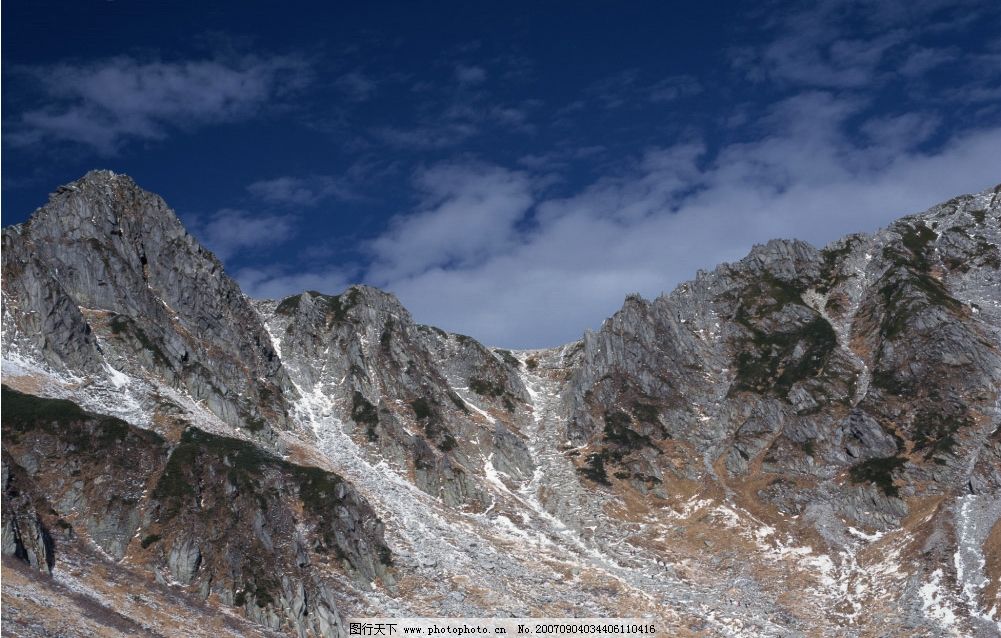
804,442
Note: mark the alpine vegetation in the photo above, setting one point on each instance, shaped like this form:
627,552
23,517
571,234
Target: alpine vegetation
806,441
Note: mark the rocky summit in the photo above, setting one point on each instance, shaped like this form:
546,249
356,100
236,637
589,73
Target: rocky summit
806,442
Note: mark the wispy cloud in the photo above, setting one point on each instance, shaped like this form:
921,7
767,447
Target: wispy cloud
445,114
357,86
849,44
229,231
468,214
672,214
303,191
819,133
458,121
470,74
896,132
629,87
105,103
812,58
488,253
426,136
673,88
921,60
277,282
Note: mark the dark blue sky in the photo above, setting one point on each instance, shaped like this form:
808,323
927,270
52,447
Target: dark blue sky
510,170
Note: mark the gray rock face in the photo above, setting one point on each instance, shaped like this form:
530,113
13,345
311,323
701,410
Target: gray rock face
104,247
28,540
26,528
419,397
778,415
24,535
220,516
870,355
183,560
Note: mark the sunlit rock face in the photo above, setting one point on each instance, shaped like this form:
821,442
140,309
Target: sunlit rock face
807,440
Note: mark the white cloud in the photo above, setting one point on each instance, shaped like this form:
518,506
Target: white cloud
901,131
849,44
923,59
670,216
277,283
356,86
468,214
486,253
229,231
456,122
470,74
629,88
427,137
674,88
105,103
809,57
303,191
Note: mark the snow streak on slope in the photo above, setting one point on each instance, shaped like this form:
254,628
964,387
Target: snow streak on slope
749,508
975,515
544,547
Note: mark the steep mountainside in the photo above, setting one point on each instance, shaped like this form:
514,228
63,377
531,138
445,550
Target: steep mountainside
802,442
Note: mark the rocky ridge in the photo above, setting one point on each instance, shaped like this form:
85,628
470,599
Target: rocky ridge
825,422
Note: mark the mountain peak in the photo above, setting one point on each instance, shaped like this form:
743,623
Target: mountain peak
104,175
113,252
104,200
826,418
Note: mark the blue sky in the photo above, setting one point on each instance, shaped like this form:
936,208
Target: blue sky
510,170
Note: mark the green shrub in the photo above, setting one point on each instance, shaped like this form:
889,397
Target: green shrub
386,338
832,259
22,413
878,471
916,239
364,413
595,469
123,325
508,358
646,413
254,424
905,294
768,362
287,306
385,556
421,407
149,540
447,442
935,424
317,489
617,431
433,428
486,388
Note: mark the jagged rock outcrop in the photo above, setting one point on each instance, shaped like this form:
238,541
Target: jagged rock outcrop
823,421
859,357
216,515
25,535
105,275
399,385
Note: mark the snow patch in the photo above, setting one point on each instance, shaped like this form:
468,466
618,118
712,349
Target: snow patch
935,603
871,538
